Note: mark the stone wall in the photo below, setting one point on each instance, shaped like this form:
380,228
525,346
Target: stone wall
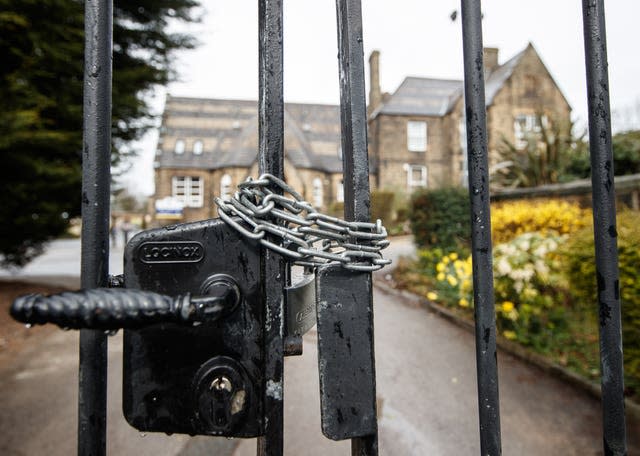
389,147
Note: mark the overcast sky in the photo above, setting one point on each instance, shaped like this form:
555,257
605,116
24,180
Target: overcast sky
415,38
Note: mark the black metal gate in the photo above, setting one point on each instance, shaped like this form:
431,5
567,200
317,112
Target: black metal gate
237,390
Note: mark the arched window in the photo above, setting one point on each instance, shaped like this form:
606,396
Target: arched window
198,146
179,148
225,187
317,192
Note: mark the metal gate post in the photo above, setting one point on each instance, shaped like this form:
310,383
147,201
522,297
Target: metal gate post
357,201
273,269
96,162
484,300
604,223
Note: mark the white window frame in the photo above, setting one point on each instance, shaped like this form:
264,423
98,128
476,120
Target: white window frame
340,191
179,147
198,147
189,190
413,183
417,134
464,157
317,192
225,187
526,125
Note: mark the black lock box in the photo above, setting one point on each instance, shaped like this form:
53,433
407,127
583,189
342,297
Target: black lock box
205,379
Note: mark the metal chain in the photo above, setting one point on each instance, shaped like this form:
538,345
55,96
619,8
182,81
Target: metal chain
289,225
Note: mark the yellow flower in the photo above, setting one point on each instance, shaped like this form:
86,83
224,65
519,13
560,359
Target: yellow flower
507,306
511,335
463,303
440,267
452,280
440,276
453,256
432,296
445,260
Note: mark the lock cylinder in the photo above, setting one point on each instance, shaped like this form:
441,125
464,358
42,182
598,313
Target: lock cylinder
222,394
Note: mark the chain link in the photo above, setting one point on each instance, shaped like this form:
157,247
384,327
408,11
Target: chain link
289,225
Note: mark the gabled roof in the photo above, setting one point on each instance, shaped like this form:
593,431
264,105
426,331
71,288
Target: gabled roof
422,97
312,134
436,97
496,79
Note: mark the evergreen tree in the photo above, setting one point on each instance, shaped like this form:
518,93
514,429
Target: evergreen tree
41,74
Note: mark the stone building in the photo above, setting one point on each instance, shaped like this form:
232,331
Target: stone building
206,147
416,137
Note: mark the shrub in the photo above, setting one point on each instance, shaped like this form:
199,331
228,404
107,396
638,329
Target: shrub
336,209
530,304
580,269
511,219
530,300
441,218
382,205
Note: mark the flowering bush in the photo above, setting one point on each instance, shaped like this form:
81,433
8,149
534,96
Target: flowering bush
528,288
454,278
511,219
577,257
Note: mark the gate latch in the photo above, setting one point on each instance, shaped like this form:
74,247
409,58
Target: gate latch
192,311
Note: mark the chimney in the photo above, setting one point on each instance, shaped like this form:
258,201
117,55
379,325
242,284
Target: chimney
490,57
375,94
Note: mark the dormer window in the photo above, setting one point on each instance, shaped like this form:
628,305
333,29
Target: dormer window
417,136
198,146
179,148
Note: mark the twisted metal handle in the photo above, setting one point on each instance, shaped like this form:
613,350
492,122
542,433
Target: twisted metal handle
110,309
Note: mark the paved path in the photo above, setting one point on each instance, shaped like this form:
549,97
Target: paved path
426,388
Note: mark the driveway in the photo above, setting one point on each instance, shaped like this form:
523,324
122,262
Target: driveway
426,388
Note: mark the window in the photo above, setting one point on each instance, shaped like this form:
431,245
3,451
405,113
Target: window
416,176
225,187
198,146
464,164
417,136
179,148
188,190
340,191
527,127
317,192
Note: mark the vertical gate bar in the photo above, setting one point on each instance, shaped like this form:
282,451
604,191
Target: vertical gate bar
357,201
274,272
483,293
604,224
96,179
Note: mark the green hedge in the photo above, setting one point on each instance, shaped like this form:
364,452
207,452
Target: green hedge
577,255
441,218
382,206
